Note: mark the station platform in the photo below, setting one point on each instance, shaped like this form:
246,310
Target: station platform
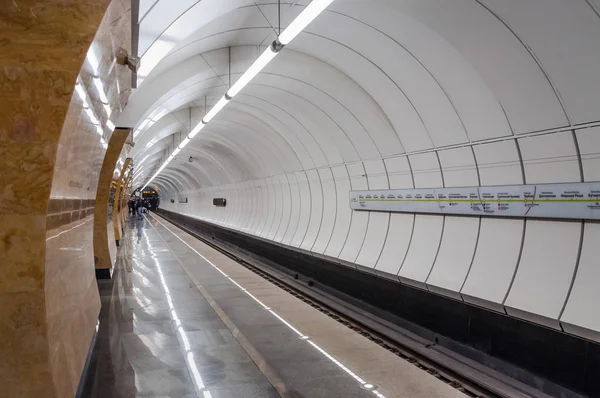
180,319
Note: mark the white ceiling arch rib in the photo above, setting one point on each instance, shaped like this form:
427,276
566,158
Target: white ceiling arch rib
226,165
235,116
175,178
182,178
289,123
331,138
217,169
168,127
273,123
246,135
252,161
345,116
385,94
166,185
217,165
191,179
378,78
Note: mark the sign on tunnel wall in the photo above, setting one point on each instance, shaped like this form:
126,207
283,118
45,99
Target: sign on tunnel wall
572,200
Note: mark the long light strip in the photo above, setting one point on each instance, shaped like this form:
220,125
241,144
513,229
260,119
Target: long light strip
184,142
196,130
307,15
215,109
258,65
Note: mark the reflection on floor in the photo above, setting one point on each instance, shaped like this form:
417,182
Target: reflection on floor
180,319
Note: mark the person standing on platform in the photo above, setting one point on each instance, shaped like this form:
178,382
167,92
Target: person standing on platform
139,207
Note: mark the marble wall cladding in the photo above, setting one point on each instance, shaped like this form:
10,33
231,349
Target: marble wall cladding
72,299
52,143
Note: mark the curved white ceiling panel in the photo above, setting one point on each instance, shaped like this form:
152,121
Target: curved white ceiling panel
563,37
498,54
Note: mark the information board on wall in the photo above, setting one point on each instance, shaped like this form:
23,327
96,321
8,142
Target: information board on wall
571,200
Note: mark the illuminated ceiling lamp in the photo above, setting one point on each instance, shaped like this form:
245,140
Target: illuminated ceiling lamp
308,15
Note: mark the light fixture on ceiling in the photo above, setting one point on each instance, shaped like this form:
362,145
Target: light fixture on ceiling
215,109
258,65
184,142
196,130
307,15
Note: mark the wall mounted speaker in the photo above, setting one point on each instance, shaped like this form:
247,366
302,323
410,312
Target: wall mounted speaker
220,202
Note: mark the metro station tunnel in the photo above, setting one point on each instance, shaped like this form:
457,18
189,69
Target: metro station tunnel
299,198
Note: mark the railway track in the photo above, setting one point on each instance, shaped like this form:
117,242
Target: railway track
472,384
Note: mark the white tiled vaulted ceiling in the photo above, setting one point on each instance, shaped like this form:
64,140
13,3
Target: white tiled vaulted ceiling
378,94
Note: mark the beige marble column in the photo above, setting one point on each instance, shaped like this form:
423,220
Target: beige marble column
125,196
118,202
104,233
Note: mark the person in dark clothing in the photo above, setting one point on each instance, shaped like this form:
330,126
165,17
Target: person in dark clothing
131,204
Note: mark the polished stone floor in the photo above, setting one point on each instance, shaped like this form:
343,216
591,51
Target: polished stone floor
180,319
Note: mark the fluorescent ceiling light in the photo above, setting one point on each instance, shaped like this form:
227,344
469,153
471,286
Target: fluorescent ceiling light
196,130
215,109
110,125
309,13
99,130
176,151
254,70
185,141
98,83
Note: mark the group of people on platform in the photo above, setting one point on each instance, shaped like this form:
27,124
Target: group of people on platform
138,205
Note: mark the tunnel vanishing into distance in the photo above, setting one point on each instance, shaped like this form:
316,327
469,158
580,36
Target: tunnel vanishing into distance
395,97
